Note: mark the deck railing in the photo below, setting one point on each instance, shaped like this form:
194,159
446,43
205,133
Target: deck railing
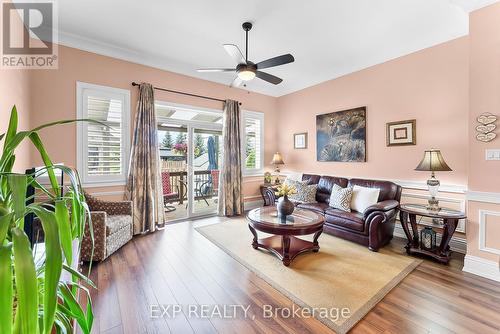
203,187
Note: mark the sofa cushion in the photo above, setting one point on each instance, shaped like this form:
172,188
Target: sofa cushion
388,190
299,187
305,194
325,185
115,222
118,239
341,198
311,178
351,220
316,207
363,197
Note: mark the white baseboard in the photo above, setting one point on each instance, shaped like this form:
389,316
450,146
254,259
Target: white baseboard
253,204
458,245
481,267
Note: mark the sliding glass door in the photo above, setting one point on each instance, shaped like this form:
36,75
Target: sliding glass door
206,159
190,150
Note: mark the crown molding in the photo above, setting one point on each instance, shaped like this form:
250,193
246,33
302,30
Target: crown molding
472,5
136,57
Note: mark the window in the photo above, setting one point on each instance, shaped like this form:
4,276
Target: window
252,142
103,148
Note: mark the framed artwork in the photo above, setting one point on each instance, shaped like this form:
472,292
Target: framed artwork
341,136
402,133
300,140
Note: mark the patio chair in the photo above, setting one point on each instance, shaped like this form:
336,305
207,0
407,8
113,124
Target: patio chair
210,187
168,194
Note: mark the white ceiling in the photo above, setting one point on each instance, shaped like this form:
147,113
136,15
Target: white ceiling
329,38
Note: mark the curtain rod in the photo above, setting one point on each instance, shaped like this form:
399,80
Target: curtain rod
183,93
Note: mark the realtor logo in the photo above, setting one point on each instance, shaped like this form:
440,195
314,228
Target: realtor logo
29,35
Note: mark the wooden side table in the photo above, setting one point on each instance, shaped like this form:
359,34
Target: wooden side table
408,216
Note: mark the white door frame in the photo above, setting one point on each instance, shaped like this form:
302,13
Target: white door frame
191,126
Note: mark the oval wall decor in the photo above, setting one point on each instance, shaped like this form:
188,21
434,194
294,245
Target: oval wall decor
486,127
487,119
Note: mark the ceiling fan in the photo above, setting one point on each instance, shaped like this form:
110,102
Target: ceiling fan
247,70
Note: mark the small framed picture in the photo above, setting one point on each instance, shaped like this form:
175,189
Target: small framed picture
402,133
300,140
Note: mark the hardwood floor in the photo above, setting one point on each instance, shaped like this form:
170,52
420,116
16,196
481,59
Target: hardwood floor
178,266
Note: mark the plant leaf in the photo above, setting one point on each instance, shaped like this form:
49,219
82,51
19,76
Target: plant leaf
6,290
12,129
63,223
53,265
37,142
63,322
18,184
73,306
4,226
79,275
26,283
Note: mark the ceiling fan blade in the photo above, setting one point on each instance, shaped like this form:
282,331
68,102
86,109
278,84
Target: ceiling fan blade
216,70
235,53
237,82
268,77
276,61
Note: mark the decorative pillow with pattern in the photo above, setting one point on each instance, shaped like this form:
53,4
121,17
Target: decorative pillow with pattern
341,198
305,193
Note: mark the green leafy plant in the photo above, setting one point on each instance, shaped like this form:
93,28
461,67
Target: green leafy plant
33,297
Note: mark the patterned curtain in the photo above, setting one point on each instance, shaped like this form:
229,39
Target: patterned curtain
144,177
230,196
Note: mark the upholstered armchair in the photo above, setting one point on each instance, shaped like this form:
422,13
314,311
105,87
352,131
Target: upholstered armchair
112,226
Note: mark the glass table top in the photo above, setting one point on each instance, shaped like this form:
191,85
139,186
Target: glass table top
422,209
269,215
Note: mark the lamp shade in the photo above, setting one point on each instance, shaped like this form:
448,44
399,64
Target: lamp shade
433,161
277,159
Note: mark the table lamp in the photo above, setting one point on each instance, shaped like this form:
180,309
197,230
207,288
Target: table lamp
277,161
433,161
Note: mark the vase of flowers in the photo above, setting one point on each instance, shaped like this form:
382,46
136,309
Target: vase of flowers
285,207
180,149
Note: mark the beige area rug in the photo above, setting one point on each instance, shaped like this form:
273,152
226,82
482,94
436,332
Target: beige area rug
342,275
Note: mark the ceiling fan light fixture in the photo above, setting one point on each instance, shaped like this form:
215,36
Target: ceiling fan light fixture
246,75
247,70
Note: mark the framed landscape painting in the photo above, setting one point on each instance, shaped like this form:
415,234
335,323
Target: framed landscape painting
341,136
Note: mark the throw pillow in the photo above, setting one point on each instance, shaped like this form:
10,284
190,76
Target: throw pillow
341,198
296,176
305,193
294,183
363,197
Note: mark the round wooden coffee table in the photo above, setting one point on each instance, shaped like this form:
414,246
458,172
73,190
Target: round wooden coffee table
283,242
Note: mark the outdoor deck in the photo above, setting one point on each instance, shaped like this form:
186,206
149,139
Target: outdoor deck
200,208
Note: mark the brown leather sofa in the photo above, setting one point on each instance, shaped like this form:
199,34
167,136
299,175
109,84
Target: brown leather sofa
373,228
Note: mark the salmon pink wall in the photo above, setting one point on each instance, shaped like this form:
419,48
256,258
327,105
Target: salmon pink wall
430,86
15,90
54,97
484,97
484,94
